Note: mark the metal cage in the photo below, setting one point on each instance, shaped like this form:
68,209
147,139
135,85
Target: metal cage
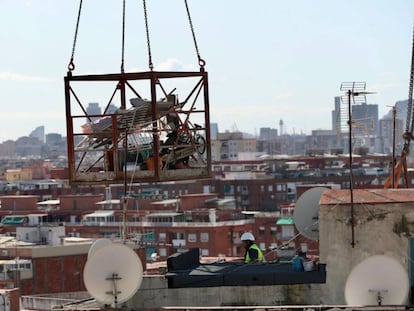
148,136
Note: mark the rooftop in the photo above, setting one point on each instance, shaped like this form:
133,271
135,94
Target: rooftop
372,196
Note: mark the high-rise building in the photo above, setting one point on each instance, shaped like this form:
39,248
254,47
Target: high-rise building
28,147
93,109
390,135
39,133
213,130
111,109
401,107
267,133
53,138
365,119
336,115
281,127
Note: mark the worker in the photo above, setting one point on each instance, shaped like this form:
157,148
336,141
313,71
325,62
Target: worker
253,252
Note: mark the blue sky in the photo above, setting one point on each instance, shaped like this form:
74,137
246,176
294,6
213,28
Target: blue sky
267,60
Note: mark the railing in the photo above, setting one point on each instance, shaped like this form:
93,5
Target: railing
167,224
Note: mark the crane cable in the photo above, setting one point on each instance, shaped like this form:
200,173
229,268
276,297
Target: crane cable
123,37
201,61
150,64
71,65
408,135
410,122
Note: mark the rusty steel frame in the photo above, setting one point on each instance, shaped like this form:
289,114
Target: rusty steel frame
123,80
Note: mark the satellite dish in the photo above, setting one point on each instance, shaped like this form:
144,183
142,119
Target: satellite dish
377,280
306,212
113,274
97,245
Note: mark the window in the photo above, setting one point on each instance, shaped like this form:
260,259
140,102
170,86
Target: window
179,236
261,230
192,237
279,187
149,236
273,230
162,252
204,236
287,231
204,252
262,246
162,237
304,247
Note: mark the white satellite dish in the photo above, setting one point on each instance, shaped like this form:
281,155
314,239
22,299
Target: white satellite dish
113,274
378,280
99,243
306,213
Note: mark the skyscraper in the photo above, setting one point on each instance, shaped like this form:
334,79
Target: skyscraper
365,119
39,133
336,115
93,109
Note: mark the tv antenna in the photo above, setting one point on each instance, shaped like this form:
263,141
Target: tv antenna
354,94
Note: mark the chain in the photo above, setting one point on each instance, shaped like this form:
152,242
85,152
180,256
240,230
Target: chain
71,65
201,62
151,66
410,121
123,36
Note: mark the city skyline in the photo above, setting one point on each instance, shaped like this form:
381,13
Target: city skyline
364,115
277,61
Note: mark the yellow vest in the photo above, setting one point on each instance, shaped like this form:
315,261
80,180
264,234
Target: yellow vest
259,254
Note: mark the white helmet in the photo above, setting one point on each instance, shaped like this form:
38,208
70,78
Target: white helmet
247,236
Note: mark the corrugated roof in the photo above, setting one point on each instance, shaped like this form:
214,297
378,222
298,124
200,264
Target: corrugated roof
371,196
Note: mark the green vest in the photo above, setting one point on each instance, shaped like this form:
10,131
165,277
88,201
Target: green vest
259,254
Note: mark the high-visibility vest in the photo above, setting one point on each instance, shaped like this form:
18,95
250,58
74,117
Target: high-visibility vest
260,256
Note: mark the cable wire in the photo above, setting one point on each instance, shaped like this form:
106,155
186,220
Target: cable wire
123,36
71,65
201,61
151,66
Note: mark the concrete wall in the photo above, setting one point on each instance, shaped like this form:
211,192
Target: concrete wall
154,293
381,227
48,302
